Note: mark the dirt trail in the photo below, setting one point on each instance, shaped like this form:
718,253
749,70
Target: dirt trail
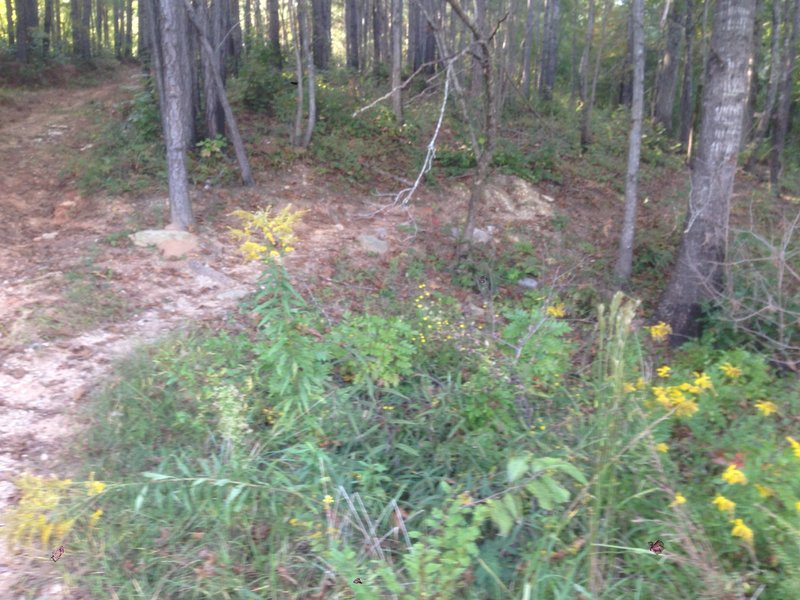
54,262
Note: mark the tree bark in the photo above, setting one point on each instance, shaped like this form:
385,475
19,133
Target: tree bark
48,26
27,20
626,83
697,275
687,89
527,49
549,49
397,59
351,33
275,30
170,24
302,22
10,22
476,83
781,119
668,71
321,24
622,269
129,29
259,22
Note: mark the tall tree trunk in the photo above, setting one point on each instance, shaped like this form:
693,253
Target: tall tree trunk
781,120
527,49
321,25
549,49
10,22
99,10
687,89
413,34
117,18
304,29
129,28
596,74
626,83
176,102
48,26
754,82
259,22
248,21
275,30
697,275
144,47
351,33
584,78
27,21
397,59
622,269
377,34
668,71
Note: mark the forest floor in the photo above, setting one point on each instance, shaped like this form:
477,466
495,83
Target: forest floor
77,296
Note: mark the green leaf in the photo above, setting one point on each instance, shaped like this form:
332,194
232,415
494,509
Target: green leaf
541,493
512,504
558,493
140,499
155,476
501,518
517,467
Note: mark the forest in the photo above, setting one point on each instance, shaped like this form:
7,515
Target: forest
409,299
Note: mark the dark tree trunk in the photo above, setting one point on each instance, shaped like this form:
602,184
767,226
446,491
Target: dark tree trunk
397,59
27,21
547,76
352,37
10,22
622,269
144,48
687,90
626,83
377,33
118,26
321,25
275,30
248,21
697,275
754,82
98,27
129,29
48,25
780,124
413,34
259,19
668,71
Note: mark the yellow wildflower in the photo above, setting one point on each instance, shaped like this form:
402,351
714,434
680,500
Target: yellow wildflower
662,447
764,491
663,371
723,504
766,407
733,476
95,517
686,409
730,370
795,446
293,521
688,387
94,487
742,531
679,499
660,331
556,310
628,388
703,381
327,500
46,531
797,506
640,383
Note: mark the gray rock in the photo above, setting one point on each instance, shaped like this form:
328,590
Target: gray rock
153,237
529,283
372,244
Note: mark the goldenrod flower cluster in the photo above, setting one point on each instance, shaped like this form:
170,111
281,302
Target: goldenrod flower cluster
556,310
33,516
734,476
264,235
660,331
434,320
741,530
